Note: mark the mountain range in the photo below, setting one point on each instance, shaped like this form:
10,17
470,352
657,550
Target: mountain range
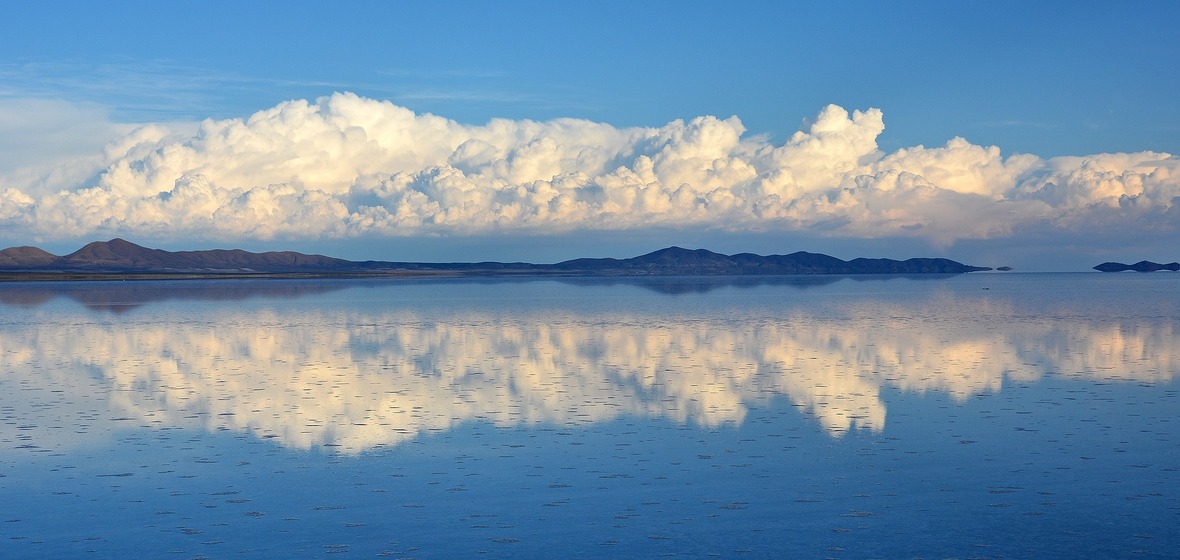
119,256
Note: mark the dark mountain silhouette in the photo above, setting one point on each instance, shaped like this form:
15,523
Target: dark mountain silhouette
118,256
688,262
1141,266
121,255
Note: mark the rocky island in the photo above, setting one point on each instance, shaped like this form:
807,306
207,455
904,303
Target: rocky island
119,258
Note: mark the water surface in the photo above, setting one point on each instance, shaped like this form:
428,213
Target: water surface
985,415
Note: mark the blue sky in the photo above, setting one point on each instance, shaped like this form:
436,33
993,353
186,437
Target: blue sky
101,105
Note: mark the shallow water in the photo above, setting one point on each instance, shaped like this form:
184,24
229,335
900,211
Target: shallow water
983,415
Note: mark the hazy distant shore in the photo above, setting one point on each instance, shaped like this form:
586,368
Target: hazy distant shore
119,259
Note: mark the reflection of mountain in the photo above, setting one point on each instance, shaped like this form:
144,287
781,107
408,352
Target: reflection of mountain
703,284
117,296
122,296
359,379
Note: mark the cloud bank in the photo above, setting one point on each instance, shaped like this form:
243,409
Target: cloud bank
346,167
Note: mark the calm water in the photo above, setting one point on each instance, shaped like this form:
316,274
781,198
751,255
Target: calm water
991,416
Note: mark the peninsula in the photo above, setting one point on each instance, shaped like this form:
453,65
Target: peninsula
119,258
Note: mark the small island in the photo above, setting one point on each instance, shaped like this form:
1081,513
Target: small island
1141,266
121,259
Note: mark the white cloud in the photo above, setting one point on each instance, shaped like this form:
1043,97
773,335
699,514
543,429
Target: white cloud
346,166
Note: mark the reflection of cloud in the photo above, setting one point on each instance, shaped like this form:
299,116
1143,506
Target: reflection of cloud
362,379
345,166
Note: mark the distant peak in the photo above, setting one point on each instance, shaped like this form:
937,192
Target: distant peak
114,249
26,256
672,249
116,242
120,242
675,250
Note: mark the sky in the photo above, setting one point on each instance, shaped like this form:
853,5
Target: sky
1041,136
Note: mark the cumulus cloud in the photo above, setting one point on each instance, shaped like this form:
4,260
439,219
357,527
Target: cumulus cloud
344,166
